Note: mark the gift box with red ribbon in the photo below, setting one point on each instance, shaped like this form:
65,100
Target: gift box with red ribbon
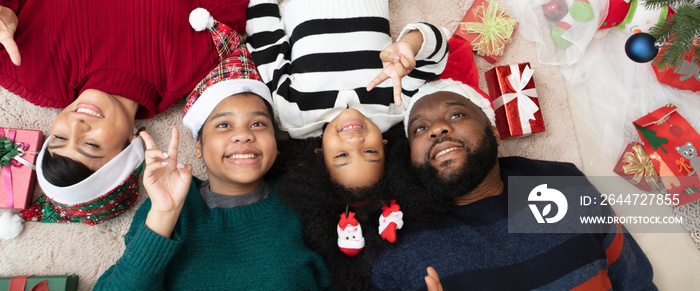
488,28
515,100
672,144
40,283
685,76
18,153
635,166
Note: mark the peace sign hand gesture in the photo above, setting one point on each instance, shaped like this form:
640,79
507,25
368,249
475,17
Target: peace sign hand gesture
167,183
398,60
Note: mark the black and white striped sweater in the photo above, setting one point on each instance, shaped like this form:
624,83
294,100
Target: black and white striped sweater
318,56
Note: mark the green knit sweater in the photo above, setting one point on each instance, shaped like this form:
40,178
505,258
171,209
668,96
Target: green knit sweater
256,246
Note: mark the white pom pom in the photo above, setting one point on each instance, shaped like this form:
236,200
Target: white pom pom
200,19
10,225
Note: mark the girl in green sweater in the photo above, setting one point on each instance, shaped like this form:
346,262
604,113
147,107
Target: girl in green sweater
231,231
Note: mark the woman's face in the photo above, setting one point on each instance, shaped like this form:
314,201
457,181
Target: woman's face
93,129
237,143
353,150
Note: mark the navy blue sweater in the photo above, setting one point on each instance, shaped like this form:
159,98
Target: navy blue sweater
471,248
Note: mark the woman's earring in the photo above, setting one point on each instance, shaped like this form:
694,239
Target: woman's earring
318,150
385,141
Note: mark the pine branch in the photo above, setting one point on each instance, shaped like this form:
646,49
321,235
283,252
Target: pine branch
661,3
679,34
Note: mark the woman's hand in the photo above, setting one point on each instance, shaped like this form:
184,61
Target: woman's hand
8,26
167,183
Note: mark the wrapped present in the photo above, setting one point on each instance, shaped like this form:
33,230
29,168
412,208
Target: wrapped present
671,143
685,76
488,28
517,107
39,283
18,152
636,167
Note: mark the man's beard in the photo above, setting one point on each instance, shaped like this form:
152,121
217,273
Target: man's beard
480,161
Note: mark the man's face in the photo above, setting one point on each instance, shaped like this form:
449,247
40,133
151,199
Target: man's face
451,137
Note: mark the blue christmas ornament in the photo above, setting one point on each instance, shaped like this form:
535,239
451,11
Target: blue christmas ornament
641,48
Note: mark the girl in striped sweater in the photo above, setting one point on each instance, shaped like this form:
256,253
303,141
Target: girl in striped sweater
327,64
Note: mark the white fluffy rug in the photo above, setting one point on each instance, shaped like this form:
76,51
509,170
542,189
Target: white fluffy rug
55,249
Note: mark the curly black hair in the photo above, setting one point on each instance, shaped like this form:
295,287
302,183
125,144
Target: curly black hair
306,186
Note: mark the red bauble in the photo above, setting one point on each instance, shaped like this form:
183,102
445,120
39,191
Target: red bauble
555,10
675,130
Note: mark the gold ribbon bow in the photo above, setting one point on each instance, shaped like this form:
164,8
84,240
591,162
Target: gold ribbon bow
493,26
639,164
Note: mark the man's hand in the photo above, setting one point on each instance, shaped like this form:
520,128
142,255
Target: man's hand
432,281
8,26
166,182
398,60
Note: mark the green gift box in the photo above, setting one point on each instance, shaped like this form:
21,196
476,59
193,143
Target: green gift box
54,283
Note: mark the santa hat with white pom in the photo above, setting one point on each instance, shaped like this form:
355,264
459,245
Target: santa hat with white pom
460,76
11,224
236,73
94,200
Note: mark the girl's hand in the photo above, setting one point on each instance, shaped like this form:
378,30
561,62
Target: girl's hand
167,183
8,26
398,60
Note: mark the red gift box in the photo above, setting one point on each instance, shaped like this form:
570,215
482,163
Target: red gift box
671,144
478,24
517,107
686,76
635,166
19,152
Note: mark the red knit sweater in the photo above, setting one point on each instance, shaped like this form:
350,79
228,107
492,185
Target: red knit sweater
143,50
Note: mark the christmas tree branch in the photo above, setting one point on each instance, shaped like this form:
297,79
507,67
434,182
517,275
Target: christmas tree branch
679,36
661,3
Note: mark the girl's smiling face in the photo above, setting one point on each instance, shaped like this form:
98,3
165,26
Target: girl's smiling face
238,144
353,150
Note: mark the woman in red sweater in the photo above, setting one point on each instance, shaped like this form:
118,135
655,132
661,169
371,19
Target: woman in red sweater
105,63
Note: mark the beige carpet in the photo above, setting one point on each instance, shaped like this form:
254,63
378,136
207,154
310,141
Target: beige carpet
53,249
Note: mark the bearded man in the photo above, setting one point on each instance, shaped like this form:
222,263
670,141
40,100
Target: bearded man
453,147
